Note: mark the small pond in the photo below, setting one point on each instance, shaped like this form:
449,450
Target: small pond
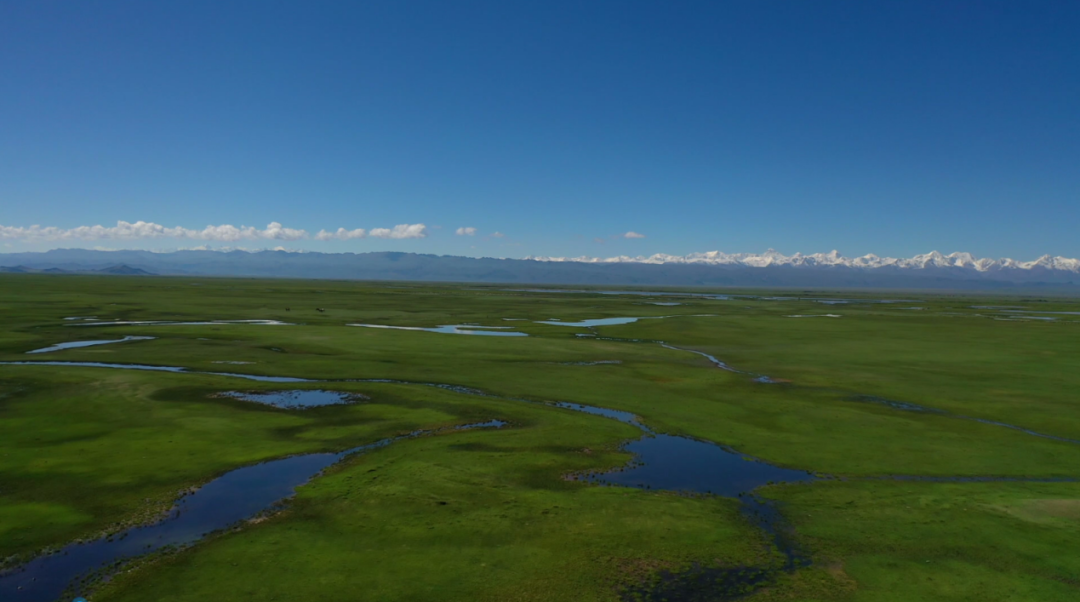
491,331
296,399
591,323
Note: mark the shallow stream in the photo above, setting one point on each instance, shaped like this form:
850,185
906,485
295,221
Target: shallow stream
78,344
236,496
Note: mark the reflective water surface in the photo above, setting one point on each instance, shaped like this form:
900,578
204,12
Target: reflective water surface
591,323
297,398
233,497
491,331
269,379
683,464
616,321
77,344
181,323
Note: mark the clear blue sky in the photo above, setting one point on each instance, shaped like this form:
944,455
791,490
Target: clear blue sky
891,127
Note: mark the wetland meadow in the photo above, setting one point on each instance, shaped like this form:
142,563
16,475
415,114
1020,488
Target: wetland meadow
189,439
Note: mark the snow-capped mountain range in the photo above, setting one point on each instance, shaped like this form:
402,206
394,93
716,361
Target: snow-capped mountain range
771,257
769,269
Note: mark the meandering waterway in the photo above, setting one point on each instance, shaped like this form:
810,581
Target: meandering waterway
225,501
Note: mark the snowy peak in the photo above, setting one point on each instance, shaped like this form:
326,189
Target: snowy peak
771,257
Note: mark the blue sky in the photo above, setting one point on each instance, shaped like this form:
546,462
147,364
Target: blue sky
888,127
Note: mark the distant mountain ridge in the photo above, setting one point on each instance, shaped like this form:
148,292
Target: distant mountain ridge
833,259
115,270
932,270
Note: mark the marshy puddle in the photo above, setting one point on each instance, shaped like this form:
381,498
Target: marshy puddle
591,323
179,323
297,398
713,296
713,583
912,407
238,495
232,362
1034,311
814,316
716,362
616,321
269,379
491,331
620,415
849,301
78,344
82,318
681,464
676,463
596,363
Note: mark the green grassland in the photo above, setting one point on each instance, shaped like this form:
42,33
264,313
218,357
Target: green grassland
488,514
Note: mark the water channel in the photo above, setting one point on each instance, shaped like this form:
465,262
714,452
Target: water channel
78,344
236,496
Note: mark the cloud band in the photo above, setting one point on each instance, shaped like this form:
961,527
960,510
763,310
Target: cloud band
223,233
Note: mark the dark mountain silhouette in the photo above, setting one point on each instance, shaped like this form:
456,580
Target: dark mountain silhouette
124,270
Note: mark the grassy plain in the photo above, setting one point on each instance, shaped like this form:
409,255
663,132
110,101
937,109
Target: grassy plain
85,450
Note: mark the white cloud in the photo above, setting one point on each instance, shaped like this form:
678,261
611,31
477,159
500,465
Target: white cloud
142,230
276,231
498,235
341,234
400,231
633,234
468,231
222,233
